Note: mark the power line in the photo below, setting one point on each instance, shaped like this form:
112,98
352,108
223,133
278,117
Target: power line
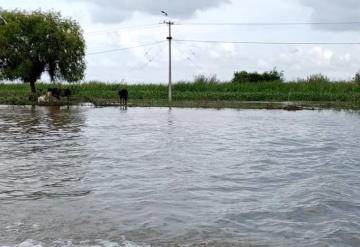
266,43
188,59
267,23
147,26
125,29
149,59
125,48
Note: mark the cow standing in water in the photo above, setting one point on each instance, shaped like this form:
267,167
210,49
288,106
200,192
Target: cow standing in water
53,95
123,96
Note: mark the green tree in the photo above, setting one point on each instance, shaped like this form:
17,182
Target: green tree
357,78
267,76
32,43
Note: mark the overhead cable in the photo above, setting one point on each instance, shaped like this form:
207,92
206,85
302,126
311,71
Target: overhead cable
266,23
125,48
124,29
265,42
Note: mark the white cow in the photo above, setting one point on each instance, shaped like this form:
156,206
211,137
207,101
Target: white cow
48,98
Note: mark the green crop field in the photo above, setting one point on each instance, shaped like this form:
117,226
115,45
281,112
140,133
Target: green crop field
200,93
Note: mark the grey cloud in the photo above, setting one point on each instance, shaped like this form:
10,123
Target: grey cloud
334,11
112,11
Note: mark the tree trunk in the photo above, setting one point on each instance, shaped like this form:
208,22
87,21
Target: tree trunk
33,88
33,96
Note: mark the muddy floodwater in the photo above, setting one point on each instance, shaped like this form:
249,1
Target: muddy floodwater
111,177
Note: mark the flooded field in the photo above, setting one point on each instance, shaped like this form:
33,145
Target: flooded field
108,177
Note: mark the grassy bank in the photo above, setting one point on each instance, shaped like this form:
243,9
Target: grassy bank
235,95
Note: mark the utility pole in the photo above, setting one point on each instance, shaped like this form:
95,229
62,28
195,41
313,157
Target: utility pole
169,23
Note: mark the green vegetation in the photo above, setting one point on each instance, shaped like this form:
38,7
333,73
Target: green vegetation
244,76
316,91
34,42
357,78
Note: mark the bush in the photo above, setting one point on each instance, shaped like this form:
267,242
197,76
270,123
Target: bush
357,78
317,78
203,79
244,76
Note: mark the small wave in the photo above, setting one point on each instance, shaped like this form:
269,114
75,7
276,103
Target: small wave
69,243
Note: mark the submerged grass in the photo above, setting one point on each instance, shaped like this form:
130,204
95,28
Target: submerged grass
200,93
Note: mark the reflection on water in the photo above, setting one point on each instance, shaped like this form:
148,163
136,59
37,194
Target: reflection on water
125,177
40,120
33,140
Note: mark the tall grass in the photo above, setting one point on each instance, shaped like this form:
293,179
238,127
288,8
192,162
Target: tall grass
203,89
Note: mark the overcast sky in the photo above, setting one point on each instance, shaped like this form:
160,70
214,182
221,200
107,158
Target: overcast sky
116,24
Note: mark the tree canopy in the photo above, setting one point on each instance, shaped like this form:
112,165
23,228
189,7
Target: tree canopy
32,43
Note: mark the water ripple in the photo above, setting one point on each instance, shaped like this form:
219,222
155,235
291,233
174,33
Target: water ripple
179,177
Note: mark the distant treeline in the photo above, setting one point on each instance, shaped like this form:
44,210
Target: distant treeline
244,76
268,76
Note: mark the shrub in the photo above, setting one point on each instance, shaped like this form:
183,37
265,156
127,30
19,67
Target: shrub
317,78
244,76
205,79
357,78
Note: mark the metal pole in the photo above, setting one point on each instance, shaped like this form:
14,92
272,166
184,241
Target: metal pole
170,64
